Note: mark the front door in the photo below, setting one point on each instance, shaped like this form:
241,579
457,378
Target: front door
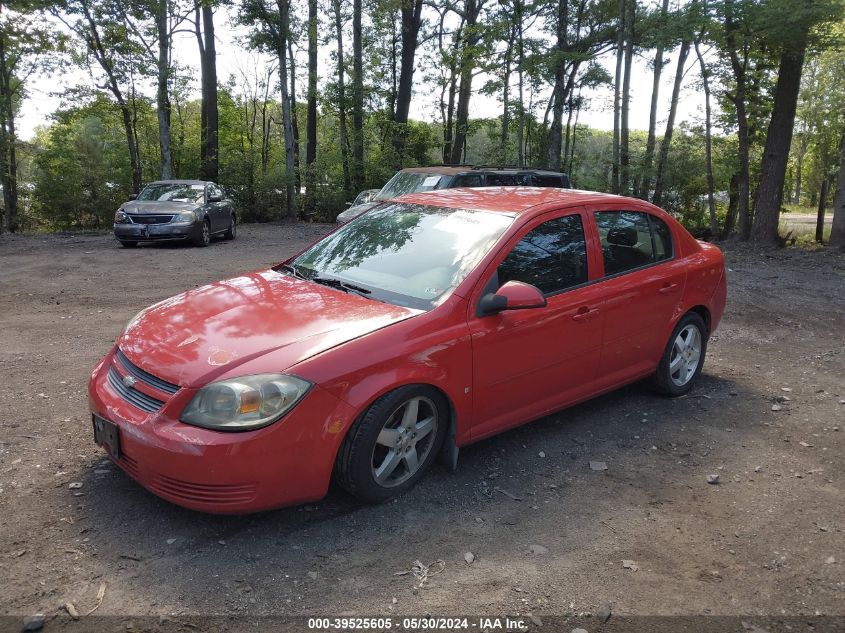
527,363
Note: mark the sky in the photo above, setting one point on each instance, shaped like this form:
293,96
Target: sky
233,57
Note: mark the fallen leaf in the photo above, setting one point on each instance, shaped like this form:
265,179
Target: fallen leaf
598,466
629,564
469,557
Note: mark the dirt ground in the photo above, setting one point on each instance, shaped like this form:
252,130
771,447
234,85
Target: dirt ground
548,534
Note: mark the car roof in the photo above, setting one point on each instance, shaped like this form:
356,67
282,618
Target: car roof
511,200
451,170
179,182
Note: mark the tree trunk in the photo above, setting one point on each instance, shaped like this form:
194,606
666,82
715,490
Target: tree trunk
472,9
411,11
837,231
449,114
520,129
95,46
294,121
209,145
357,174
311,116
663,160
708,144
162,94
559,91
8,141
624,131
341,99
643,189
778,141
287,126
506,84
739,69
615,184
821,212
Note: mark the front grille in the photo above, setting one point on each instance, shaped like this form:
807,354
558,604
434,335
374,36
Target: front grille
203,493
148,218
143,376
132,395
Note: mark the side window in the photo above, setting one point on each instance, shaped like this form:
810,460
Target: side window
468,180
553,256
544,180
662,238
627,242
501,180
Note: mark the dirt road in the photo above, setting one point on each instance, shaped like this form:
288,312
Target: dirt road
548,533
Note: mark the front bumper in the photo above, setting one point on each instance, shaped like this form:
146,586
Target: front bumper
286,463
156,232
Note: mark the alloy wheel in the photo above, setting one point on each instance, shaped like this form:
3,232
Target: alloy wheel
686,354
404,442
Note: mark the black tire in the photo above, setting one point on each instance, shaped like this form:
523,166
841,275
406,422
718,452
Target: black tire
232,232
355,465
663,381
204,237
128,244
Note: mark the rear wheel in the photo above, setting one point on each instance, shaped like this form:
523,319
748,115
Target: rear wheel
683,358
128,244
392,445
232,232
204,237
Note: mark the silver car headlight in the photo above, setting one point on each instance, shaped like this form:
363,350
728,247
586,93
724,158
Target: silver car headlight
186,216
120,217
245,403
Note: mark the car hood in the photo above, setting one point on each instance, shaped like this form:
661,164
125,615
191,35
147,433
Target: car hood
201,334
358,209
153,206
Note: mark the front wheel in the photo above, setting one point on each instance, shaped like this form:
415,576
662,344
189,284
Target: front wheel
683,358
392,445
204,237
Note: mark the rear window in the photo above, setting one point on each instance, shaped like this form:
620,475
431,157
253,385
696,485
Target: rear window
632,239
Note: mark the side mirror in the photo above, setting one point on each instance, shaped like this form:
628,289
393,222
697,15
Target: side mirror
133,196
215,198
513,295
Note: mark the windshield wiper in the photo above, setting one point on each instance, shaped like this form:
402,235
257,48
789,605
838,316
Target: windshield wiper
341,285
291,268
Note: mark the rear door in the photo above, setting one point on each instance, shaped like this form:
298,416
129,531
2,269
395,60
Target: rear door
217,208
642,284
529,362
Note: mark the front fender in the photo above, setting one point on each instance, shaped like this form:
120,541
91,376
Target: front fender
432,349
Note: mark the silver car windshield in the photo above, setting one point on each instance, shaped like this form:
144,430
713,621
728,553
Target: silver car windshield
408,182
411,255
172,192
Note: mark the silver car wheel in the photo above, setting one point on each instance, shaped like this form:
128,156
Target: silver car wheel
404,442
686,354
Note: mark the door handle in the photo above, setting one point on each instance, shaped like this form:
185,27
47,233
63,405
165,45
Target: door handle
667,288
585,313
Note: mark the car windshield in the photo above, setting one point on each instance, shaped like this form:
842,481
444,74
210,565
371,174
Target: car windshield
172,192
408,182
411,255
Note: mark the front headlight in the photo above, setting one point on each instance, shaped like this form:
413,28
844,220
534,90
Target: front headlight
246,403
186,216
120,217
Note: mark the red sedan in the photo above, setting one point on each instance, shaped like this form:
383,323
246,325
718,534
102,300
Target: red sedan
428,323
